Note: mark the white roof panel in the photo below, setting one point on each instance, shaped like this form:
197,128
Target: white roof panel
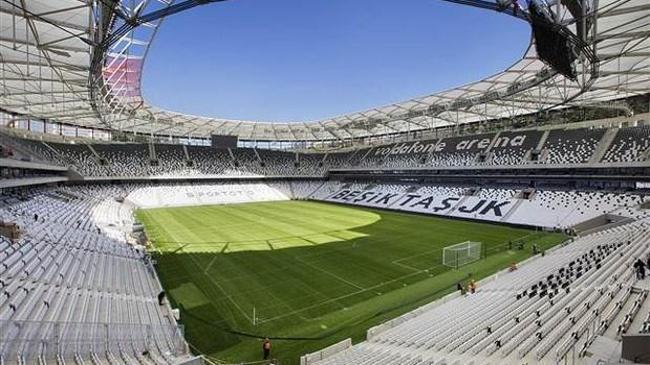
46,49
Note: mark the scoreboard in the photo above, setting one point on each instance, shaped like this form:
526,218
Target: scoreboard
223,141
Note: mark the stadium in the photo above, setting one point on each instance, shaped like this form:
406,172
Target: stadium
503,221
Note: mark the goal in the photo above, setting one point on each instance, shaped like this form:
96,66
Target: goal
461,254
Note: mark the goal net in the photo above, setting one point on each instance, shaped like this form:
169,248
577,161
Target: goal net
461,254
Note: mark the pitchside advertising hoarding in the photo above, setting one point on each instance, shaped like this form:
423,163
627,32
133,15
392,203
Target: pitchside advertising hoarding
469,143
643,185
211,193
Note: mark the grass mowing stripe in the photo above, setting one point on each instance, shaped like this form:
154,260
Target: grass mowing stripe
310,269
229,297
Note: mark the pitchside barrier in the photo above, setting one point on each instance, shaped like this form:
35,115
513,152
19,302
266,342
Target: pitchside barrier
326,352
461,254
204,360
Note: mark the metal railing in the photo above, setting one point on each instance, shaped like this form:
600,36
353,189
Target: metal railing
211,361
30,340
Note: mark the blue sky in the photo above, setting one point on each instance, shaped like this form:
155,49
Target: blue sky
294,60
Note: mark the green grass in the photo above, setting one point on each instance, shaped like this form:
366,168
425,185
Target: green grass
315,271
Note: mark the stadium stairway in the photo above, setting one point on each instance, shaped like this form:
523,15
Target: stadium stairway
186,154
315,190
645,156
542,140
603,145
94,152
641,322
460,203
492,142
52,149
512,210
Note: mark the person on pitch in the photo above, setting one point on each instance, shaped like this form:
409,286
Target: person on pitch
471,286
266,348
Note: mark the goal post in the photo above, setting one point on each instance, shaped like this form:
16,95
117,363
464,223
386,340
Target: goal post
461,254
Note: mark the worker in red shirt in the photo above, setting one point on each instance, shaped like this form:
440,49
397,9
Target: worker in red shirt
266,348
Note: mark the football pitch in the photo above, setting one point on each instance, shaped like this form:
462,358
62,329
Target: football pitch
309,274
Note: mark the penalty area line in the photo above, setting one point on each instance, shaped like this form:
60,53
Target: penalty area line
222,290
398,262
348,295
207,268
215,283
328,273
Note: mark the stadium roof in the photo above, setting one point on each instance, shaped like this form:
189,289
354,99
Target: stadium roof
80,62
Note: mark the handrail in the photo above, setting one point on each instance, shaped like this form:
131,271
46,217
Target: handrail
52,339
213,361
